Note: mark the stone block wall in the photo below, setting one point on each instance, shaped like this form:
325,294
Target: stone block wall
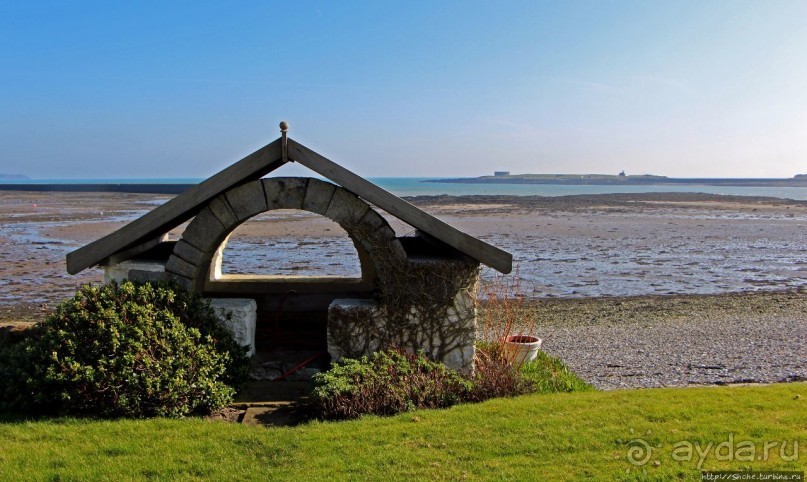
194,254
135,271
424,296
239,316
439,318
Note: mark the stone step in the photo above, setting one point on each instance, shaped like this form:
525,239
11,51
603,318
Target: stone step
273,404
265,393
277,415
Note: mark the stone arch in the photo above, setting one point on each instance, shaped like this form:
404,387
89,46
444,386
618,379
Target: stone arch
199,249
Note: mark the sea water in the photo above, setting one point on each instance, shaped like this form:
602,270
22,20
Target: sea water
415,186
699,254
419,186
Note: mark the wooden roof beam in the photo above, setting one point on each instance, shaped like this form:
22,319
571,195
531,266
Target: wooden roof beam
178,209
492,256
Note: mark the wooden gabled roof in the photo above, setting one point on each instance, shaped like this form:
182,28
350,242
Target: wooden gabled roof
256,165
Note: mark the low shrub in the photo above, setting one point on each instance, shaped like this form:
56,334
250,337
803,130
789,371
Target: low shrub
13,333
125,350
394,381
386,383
547,374
195,312
495,376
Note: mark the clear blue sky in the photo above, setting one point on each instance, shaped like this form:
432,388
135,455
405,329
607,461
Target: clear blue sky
182,89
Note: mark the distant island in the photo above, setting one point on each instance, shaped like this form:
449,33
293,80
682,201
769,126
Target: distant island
504,177
14,177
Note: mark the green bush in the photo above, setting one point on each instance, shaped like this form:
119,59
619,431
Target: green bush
547,374
394,381
195,312
386,383
125,350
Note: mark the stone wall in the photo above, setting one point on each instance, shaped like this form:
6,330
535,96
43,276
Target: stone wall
424,296
438,318
239,316
135,271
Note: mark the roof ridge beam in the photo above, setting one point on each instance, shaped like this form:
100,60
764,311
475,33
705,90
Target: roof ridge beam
177,210
477,249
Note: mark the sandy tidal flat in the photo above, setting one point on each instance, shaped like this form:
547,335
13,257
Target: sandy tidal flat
599,261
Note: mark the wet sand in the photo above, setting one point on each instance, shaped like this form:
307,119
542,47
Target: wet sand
594,265
569,246
617,245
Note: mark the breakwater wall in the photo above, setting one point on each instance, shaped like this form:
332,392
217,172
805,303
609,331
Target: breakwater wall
123,188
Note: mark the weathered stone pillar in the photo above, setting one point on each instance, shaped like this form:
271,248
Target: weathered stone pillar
239,316
135,271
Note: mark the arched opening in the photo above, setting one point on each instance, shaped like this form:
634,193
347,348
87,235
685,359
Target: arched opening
288,243
293,263
292,303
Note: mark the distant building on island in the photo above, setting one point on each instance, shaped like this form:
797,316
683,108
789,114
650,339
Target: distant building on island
501,173
622,174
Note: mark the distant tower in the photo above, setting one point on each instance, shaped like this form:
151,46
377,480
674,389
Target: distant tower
622,174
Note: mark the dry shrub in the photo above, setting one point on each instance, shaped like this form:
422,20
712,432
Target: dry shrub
495,376
503,310
503,313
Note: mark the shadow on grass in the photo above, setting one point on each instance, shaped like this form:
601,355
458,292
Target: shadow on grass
13,333
17,418
286,416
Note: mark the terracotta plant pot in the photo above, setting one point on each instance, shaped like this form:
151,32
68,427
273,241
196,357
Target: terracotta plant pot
520,349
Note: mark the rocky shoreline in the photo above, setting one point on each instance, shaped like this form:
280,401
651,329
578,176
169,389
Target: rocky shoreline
665,341
650,341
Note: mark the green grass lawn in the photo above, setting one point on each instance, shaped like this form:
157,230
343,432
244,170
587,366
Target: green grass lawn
538,437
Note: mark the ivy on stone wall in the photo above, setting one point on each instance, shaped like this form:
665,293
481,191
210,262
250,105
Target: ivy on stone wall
422,303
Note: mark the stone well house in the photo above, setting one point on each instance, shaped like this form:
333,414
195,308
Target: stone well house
415,292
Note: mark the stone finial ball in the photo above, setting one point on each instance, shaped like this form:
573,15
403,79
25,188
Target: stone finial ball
284,126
